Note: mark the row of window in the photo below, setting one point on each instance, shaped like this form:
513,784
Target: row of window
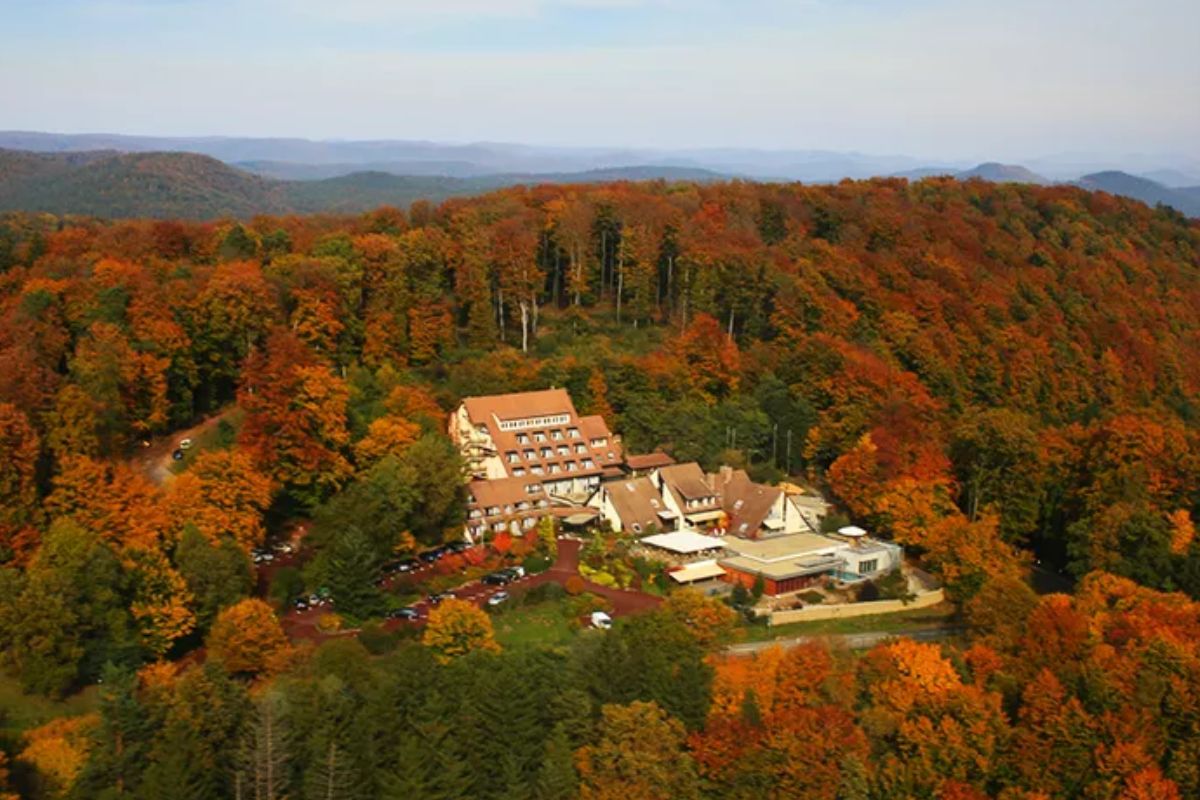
512,456
553,469
556,435
534,422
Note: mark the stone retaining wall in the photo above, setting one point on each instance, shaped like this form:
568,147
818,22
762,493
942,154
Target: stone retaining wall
845,610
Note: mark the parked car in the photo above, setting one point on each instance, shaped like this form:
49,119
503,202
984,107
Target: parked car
177,455
497,578
300,604
601,620
283,548
436,599
458,547
513,573
408,613
185,444
430,556
408,565
497,598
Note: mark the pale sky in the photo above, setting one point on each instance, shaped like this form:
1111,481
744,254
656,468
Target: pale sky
928,78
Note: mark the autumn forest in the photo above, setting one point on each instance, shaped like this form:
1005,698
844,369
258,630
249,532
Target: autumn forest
1002,378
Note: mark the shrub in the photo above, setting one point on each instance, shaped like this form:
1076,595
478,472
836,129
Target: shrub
605,579
329,623
867,592
574,585
812,597
537,563
286,585
377,640
545,593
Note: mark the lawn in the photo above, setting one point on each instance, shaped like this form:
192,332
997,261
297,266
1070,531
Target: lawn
20,712
898,623
540,625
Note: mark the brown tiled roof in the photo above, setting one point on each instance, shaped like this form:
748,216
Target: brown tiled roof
648,460
636,501
745,502
594,427
519,405
503,491
687,480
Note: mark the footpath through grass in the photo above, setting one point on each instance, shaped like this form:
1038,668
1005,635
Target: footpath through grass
899,623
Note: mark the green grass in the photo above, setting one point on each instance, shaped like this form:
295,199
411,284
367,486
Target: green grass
541,625
19,711
899,623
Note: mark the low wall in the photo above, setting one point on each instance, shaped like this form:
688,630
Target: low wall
844,610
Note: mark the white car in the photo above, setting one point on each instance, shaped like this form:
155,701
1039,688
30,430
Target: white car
185,444
601,620
497,598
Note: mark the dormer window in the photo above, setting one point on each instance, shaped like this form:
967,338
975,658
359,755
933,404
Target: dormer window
573,433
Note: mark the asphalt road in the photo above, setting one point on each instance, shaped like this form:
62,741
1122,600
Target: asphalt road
854,641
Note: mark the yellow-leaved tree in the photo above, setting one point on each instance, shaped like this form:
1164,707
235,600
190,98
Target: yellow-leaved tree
247,638
456,628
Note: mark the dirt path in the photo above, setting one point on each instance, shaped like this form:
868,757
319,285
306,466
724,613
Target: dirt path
155,461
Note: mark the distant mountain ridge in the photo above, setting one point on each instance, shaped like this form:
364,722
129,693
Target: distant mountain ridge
188,185
108,183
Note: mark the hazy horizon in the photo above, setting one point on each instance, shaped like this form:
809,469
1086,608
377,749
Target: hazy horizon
933,80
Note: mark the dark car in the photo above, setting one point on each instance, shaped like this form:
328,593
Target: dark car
408,565
497,579
435,599
458,547
408,613
430,556
177,455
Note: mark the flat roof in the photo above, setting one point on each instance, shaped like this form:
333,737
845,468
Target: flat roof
776,548
784,569
699,571
684,541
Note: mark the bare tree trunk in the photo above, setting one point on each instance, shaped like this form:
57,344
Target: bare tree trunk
620,283
731,324
524,306
500,313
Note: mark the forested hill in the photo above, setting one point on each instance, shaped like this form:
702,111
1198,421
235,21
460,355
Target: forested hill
881,321
191,186
984,373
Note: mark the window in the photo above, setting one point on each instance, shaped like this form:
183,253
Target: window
556,435
867,567
588,463
530,455
637,528
562,450
522,439
573,433
519,472
513,456
571,466
539,437
555,469
537,469
581,448
547,452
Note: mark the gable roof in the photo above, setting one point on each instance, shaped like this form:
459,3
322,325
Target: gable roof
687,481
636,501
746,503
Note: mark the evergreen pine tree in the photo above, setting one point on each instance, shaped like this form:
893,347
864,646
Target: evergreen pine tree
556,779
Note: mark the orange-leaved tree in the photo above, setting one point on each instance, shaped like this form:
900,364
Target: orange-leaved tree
247,638
223,494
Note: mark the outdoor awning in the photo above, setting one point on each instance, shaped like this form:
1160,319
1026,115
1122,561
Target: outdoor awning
705,516
580,518
701,570
667,513
684,541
